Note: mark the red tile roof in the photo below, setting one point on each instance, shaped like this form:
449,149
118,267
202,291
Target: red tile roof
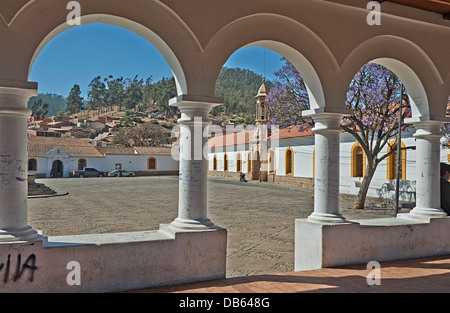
245,137
80,147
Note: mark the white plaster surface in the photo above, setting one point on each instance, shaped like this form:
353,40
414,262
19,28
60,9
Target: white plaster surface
361,241
114,262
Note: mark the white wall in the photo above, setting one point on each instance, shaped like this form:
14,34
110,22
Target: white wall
107,163
303,148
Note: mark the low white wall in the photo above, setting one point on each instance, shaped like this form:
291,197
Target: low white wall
113,262
386,239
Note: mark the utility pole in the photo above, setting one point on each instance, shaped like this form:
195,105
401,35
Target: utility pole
399,155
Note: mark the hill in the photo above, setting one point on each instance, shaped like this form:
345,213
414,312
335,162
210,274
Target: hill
237,86
56,103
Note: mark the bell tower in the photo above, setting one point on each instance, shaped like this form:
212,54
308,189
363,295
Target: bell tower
261,105
259,143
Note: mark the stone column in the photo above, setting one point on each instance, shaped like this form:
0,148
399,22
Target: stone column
13,164
193,177
326,185
428,200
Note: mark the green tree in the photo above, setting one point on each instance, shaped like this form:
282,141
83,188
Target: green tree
39,109
115,94
133,93
161,92
75,102
96,94
55,102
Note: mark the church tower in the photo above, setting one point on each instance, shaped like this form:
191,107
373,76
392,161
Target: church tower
259,142
261,105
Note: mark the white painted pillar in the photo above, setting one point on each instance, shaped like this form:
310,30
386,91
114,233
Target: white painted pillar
428,203
326,185
13,165
193,178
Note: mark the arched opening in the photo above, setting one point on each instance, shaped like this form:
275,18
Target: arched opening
289,161
238,162
82,163
225,162
415,69
392,161
133,27
107,49
151,163
215,162
358,161
32,165
57,170
269,56
272,161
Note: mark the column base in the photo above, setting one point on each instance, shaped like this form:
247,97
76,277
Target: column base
424,213
192,225
18,234
326,218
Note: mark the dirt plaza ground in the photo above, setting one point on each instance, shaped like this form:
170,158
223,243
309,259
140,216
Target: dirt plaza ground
259,217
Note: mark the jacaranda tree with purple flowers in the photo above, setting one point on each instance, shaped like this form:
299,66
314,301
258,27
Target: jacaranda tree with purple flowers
288,98
373,98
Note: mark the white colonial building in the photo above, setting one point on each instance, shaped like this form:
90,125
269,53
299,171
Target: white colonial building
65,155
290,153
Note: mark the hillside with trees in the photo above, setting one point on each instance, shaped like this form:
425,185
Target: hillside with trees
237,86
56,103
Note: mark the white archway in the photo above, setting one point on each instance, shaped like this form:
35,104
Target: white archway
135,27
408,61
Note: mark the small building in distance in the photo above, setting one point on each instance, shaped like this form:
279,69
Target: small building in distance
65,155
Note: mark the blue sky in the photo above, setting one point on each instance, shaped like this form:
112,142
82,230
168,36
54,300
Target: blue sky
81,53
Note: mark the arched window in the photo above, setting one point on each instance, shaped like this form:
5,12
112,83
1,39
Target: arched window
151,164
32,164
392,161
225,162
215,163
238,162
289,161
358,161
272,160
82,163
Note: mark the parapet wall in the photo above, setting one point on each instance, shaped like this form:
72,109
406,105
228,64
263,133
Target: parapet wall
113,262
362,241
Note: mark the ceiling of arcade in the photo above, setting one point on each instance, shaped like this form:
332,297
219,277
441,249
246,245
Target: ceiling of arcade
9,8
437,6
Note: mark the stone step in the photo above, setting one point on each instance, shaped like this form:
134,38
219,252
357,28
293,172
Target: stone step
39,189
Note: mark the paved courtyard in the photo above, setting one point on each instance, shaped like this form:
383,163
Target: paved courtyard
259,217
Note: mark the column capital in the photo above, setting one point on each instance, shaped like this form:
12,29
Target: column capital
325,121
428,129
14,100
193,106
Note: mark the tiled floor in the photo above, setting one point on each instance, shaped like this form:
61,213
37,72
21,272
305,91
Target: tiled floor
424,275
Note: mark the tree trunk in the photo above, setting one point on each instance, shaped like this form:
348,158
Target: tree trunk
362,194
